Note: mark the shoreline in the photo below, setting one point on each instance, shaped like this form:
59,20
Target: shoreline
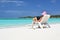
24,25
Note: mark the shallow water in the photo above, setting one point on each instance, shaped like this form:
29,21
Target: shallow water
23,21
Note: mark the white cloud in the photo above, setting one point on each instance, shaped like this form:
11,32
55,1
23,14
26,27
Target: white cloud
16,11
13,11
7,1
18,3
3,1
38,5
53,1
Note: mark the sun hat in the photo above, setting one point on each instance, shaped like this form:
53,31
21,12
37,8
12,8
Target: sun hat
44,13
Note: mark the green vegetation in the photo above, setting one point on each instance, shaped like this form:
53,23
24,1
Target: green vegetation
55,16
26,17
52,16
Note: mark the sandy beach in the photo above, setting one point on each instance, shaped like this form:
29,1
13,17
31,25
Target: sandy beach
27,33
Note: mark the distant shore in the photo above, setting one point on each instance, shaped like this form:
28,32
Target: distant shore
52,16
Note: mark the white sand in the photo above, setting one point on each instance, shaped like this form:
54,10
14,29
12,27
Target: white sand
26,33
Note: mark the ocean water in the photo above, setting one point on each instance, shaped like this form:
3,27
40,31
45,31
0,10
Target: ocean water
22,21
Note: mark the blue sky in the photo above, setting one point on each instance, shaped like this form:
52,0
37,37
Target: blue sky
19,8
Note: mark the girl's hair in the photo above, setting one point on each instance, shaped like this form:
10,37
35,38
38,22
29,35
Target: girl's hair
41,16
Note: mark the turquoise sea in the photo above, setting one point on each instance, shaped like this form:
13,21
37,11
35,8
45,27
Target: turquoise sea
22,21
